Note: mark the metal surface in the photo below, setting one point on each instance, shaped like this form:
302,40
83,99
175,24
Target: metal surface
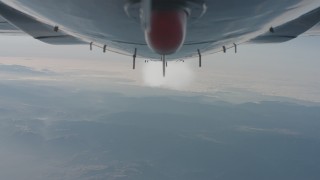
106,22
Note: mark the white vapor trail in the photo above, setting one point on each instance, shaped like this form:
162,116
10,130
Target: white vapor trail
178,75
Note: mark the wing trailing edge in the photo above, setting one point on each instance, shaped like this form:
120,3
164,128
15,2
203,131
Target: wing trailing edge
314,31
16,21
7,28
290,30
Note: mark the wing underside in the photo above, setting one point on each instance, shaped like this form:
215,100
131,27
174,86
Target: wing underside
314,31
307,24
7,28
13,21
226,32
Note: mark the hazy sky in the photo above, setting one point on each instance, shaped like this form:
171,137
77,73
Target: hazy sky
288,69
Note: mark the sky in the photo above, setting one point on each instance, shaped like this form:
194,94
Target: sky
70,113
287,69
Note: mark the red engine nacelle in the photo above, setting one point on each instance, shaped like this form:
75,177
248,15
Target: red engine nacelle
167,30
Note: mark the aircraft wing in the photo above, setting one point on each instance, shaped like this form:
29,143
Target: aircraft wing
307,24
152,28
7,28
314,31
24,23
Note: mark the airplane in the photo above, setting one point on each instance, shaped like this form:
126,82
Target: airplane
161,30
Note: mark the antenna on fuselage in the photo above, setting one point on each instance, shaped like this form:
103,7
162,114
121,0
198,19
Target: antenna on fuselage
104,48
235,48
134,58
199,53
91,46
163,58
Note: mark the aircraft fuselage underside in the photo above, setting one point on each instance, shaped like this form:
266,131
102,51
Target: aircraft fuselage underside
212,26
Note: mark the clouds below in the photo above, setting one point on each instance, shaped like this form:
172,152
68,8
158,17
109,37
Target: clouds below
65,132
